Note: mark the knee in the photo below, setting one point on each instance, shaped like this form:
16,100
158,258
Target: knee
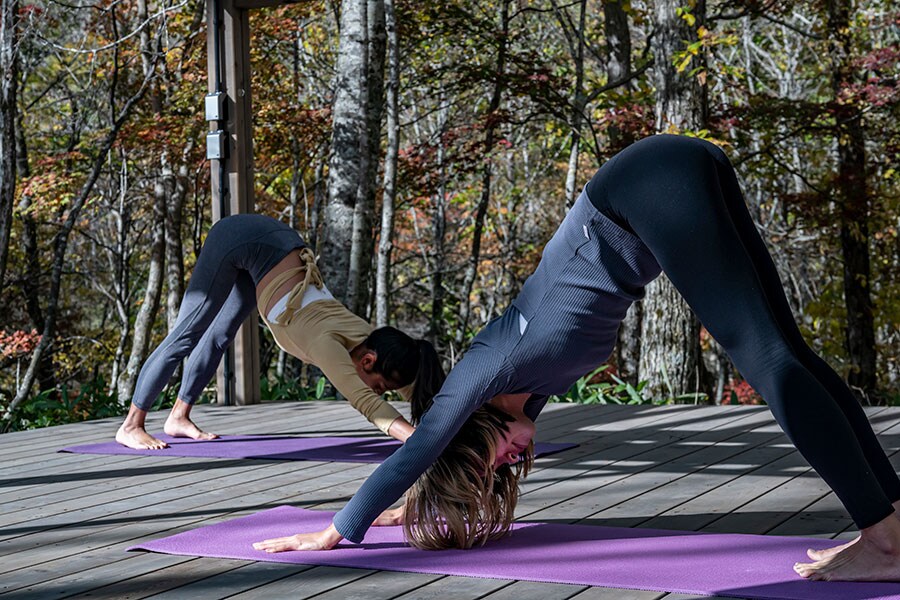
766,364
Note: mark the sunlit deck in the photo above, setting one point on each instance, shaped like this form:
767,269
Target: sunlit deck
66,519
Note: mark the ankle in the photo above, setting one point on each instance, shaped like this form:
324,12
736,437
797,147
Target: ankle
884,535
181,411
129,425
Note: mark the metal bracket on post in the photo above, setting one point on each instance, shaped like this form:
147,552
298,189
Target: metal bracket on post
216,145
214,106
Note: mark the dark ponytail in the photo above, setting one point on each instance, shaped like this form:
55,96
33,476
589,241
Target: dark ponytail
406,361
428,382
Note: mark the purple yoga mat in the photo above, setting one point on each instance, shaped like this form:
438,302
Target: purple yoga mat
273,447
744,566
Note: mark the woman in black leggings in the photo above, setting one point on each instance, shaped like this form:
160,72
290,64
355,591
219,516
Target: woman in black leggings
665,203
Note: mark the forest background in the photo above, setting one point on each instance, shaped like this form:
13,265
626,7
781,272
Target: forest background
428,150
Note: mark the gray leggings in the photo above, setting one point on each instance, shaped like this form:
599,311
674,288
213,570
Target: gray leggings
238,253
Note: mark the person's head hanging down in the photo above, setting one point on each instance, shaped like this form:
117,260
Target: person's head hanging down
389,359
469,495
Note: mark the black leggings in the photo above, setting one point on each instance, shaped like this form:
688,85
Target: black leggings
681,197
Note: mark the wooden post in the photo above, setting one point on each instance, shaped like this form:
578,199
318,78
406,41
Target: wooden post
234,46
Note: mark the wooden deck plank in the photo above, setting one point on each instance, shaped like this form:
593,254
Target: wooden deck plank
458,588
614,468
382,585
793,489
603,441
532,590
77,583
310,583
249,576
602,593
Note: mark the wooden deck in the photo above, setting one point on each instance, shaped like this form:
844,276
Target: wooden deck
65,519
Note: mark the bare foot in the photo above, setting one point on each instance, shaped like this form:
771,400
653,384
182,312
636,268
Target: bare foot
827,552
184,427
874,557
138,439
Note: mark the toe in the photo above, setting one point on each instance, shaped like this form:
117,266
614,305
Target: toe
803,570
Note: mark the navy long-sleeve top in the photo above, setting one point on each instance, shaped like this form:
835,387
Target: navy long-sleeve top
590,273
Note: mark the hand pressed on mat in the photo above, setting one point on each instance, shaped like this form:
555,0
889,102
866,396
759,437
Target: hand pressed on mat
392,516
319,540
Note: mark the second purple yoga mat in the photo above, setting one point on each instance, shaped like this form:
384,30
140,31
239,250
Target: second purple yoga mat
273,447
743,566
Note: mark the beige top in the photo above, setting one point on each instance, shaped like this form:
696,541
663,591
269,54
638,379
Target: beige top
323,333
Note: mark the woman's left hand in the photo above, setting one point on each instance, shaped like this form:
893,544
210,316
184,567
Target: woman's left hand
392,516
319,540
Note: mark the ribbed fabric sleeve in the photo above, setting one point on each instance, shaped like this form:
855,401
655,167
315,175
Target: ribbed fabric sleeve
480,375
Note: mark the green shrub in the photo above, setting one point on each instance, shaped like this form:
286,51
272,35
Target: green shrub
289,388
590,390
61,405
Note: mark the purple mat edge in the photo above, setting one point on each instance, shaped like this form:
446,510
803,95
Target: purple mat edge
433,571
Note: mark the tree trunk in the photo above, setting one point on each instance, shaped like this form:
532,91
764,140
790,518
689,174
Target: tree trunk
436,328
358,296
177,187
680,98
320,196
121,270
9,78
389,198
348,147
489,141
853,206
670,333
29,239
579,99
628,344
143,322
618,67
618,60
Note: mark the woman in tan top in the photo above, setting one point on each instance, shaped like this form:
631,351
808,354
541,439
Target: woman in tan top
255,262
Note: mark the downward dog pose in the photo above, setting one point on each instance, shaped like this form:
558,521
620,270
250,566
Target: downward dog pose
253,260
665,203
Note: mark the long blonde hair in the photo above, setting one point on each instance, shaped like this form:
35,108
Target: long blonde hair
462,500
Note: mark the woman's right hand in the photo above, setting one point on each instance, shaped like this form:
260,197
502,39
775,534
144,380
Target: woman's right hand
392,516
319,540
